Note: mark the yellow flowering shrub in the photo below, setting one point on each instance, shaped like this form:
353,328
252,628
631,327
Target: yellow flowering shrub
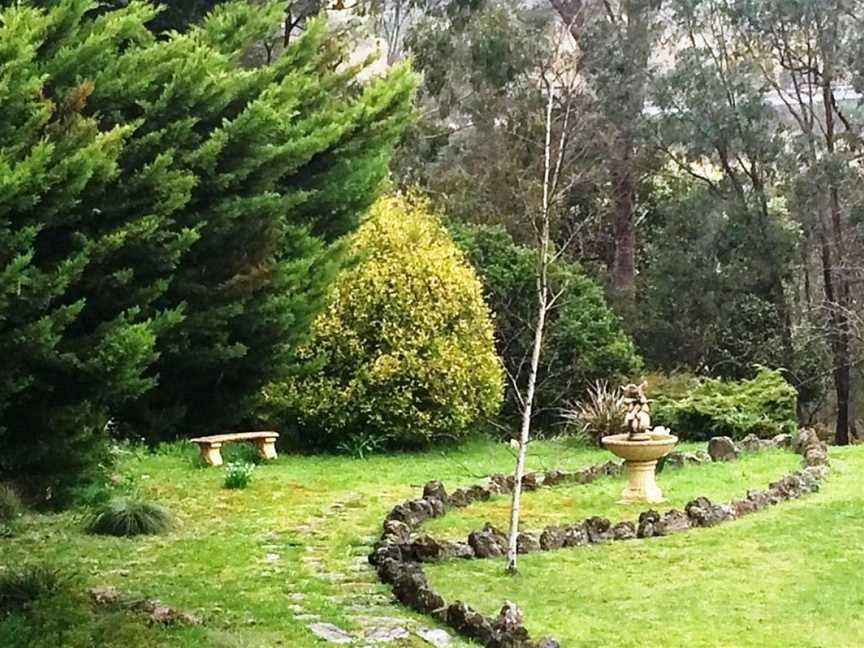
404,354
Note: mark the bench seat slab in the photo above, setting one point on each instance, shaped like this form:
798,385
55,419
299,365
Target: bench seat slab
210,446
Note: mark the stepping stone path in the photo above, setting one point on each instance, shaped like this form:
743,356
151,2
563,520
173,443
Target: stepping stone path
359,593
330,633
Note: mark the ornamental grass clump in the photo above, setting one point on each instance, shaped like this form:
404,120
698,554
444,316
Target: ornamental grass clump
238,474
26,584
600,414
129,516
404,352
23,585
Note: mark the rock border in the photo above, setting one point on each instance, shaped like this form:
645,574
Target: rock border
399,554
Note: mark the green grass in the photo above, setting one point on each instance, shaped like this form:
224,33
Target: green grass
720,482
779,571
789,576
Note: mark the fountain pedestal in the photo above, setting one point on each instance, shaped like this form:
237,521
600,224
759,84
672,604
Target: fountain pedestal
640,461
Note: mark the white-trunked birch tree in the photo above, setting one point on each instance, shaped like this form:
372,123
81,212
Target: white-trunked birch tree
563,159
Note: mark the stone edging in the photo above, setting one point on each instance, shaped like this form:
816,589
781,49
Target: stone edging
399,553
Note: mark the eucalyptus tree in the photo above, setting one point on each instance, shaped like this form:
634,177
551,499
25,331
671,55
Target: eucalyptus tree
756,108
715,126
616,42
801,48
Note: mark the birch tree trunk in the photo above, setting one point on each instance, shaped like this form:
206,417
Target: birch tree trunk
543,304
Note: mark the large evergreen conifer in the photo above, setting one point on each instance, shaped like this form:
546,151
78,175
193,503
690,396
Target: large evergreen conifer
167,216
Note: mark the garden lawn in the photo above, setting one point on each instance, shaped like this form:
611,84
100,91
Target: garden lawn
788,576
260,564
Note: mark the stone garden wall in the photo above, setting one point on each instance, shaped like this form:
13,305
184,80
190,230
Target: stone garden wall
400,553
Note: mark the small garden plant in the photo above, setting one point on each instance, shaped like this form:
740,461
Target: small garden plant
600,414
20,587
129,516
238,474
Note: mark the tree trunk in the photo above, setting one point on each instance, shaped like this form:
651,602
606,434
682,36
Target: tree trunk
839,342
525,432
835,273
623,271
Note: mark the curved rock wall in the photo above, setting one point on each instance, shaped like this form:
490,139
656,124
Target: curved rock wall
399,554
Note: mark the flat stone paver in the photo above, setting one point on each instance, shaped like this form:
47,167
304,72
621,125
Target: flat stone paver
435,636
381,635
330,633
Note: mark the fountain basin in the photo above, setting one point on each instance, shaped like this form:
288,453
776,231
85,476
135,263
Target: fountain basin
640,462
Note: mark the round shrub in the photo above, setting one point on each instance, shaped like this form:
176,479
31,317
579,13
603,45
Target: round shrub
129,516
404,351
584,342
764,405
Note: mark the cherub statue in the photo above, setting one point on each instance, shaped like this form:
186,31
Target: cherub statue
637,420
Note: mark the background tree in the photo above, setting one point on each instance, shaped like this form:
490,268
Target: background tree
477,131
793,140
615,43
717,129
800,46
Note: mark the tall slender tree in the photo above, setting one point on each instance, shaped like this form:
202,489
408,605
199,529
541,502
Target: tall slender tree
560,154
798,46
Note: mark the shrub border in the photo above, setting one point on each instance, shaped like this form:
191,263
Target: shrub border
399,554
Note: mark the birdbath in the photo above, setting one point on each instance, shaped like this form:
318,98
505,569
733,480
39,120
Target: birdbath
640,448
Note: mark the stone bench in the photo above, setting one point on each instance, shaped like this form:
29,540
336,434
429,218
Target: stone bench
210,445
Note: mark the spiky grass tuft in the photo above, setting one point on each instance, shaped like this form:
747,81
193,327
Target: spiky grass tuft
600,414
129,516
22,586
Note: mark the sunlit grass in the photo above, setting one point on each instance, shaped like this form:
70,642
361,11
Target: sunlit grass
788,576
794,565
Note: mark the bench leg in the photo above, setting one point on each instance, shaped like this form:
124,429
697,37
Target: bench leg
266,448
210,454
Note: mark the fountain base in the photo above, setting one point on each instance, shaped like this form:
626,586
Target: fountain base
640,461
641,485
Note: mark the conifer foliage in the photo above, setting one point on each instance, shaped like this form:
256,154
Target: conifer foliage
167,216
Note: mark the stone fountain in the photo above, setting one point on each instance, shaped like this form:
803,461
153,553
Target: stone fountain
640,447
